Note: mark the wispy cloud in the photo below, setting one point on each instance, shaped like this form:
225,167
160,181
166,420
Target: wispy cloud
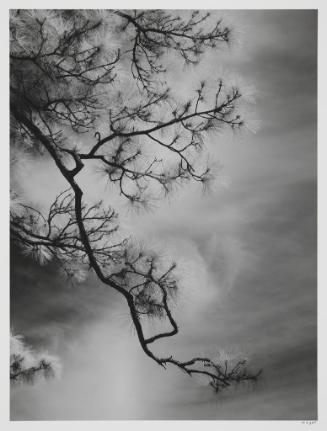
246,255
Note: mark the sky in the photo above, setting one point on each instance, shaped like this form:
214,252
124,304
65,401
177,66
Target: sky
246,254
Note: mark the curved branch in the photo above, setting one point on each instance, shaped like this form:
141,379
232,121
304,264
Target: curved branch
41,106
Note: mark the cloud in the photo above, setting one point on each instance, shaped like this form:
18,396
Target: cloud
246,253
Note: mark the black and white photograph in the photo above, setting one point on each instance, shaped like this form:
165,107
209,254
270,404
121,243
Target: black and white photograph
163,214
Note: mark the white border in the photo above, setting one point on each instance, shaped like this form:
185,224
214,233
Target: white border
322,211
164,4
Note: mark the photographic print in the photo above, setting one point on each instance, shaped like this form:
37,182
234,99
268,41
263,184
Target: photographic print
163,214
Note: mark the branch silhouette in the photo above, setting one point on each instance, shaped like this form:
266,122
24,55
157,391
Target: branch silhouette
60,56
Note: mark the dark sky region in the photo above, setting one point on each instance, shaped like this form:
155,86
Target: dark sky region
246,253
